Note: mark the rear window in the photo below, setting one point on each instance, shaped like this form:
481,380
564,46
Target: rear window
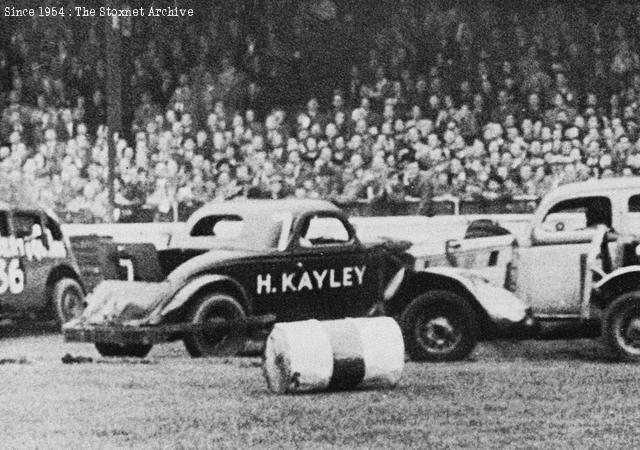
225,227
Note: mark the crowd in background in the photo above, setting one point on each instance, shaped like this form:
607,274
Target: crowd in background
484,102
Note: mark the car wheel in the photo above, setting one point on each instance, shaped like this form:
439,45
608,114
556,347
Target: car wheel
116,350
621,326
68,300
218,307
439,326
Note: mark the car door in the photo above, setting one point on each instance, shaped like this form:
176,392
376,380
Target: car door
551,271
27,269
11,274
272,277
334,274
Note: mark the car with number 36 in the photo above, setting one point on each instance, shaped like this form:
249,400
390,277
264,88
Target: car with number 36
39,277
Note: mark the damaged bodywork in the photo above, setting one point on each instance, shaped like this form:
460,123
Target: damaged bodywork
237,267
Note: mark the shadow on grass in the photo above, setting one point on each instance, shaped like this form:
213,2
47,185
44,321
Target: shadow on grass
15,329
577,350
584,350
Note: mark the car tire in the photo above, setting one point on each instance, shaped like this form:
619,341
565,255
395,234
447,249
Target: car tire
110,350
217,306
68,300
439,326
621,327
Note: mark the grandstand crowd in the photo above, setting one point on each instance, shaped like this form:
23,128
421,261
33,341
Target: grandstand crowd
484,102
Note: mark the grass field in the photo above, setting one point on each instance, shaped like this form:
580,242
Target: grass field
509,395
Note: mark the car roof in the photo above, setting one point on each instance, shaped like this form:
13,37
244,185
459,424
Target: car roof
258,217
253,208
596,186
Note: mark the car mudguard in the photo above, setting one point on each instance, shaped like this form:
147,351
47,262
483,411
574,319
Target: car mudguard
616,275
500,305
191,287
610,286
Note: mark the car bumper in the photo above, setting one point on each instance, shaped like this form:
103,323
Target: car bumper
144,335
121,335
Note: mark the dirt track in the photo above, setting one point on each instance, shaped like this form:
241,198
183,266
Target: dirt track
519,395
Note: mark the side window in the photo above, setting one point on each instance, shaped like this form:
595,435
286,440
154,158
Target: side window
634,204
225,227
324,231
27,225
578,214
4,224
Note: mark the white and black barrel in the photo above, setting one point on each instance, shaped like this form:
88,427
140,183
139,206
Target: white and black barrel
364,353
298,357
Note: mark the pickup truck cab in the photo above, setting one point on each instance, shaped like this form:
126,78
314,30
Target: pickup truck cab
245,261
568,269
39,277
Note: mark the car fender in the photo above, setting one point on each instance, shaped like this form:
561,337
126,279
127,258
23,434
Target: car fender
500,304
605,281
193,286
66,269
617,282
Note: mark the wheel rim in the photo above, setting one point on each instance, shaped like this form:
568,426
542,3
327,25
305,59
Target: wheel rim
627,330
72,304
215,337
437,334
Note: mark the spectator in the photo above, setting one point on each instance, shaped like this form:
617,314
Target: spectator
509,116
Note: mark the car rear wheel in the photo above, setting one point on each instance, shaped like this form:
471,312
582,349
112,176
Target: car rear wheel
621,327
68,300
116,350
213,309
439,326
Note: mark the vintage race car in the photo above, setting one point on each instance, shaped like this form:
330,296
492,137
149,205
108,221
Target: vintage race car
39,277
237,266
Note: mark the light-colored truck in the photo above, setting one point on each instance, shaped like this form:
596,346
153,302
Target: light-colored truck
578,261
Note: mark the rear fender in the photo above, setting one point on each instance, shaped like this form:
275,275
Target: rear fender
197,285
616,283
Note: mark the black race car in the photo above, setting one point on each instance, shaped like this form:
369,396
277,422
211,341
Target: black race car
238,266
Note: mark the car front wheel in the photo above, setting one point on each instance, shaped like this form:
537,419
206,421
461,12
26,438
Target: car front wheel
68,300
214,310
621,327
439,326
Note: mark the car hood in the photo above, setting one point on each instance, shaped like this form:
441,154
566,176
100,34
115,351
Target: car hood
207,261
